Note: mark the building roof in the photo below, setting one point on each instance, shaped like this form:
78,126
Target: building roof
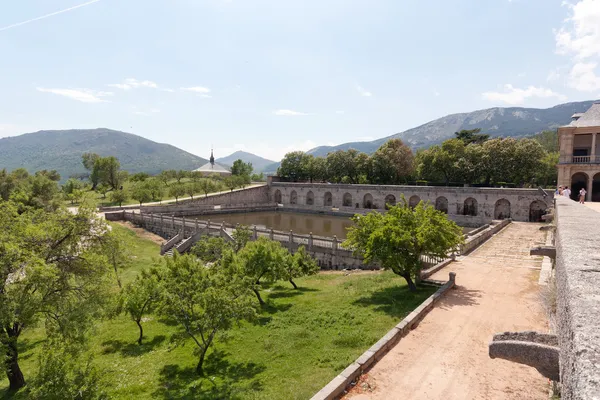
212,167
589,118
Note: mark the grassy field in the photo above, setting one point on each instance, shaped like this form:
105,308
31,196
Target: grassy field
302,340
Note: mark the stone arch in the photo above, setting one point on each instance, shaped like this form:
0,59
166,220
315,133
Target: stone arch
502,209
414,201
310,198
578,180
441,204
327,199
277,196
347,200
536,210
470,207
390,200
368,201
595,195
293,197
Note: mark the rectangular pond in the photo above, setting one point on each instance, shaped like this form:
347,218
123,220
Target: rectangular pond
301,223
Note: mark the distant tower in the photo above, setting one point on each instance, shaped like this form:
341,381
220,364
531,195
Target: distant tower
212,157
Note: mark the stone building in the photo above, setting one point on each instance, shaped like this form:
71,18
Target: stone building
579,162
212,168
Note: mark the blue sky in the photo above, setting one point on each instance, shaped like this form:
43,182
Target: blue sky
269,76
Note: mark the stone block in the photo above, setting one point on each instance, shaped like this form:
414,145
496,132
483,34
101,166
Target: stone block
366,359
334,388
351,372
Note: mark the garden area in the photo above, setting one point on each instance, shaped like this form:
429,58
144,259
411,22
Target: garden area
301,339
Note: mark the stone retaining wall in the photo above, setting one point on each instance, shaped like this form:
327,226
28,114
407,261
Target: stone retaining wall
578,299
336,387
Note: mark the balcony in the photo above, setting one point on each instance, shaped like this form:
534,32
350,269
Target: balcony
580,159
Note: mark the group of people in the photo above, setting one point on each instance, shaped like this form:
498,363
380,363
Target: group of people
566,192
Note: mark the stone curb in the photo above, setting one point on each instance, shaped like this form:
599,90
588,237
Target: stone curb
336,387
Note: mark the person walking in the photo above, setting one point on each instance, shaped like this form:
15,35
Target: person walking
582,193
566,192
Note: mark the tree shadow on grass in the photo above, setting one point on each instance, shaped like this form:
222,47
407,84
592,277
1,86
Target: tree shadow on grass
131,349
282,292
25,345
222,379
396,301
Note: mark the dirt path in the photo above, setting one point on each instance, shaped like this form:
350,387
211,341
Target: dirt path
446,356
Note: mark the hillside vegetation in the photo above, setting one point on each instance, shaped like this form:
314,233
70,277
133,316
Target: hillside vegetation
62,151
258,163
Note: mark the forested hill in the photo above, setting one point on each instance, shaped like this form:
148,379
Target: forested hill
498,121
258,163
62,150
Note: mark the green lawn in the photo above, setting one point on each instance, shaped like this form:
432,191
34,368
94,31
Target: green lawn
302,340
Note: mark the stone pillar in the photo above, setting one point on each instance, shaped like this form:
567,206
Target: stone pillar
590,185
208,224
196,225
310,241
291,242
334,247
271,235
173,221
593,152
254,233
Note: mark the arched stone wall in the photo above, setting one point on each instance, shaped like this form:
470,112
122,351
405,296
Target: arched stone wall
413,201
502,209
293,197
441,204
578,180
368,201
347,200
277,196
390,200
327,199
310,198
536,210
470,207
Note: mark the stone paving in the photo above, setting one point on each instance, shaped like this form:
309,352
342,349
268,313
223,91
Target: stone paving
446,356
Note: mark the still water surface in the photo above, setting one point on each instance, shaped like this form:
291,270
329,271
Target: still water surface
319,225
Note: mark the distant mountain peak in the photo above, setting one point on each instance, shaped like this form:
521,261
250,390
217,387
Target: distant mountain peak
258,163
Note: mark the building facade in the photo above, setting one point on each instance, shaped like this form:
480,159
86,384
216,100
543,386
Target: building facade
579,162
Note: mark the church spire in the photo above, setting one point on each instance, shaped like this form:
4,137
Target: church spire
212,157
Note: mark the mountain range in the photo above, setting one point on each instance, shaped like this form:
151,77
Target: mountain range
497,121
258,163
62,150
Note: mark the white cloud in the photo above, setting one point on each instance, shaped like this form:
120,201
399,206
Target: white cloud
553,75
363,91
132,83
83,95
288,113
436,93
147,113
512,95
196,89
340,112
579,37
583,77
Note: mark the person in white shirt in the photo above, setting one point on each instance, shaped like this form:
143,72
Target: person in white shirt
566,192
582,193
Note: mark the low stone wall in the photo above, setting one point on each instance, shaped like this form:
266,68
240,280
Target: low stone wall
476,240
578,299
336,387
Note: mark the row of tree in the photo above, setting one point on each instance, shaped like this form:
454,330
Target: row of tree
469,158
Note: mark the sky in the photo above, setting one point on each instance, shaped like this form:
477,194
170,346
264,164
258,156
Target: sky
272,76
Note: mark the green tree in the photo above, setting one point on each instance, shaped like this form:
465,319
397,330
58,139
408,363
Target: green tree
231,182
165,177
103,189
301,264
207,186
392,163
241,168
294,166
179,175
469,136
65,375
116,248
262,259
48,276
398,238
140,298
118,197
191,188
140,193
89,162
204,302
139,177
547,175
241,236
210,249
548,140
177,190
155,187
